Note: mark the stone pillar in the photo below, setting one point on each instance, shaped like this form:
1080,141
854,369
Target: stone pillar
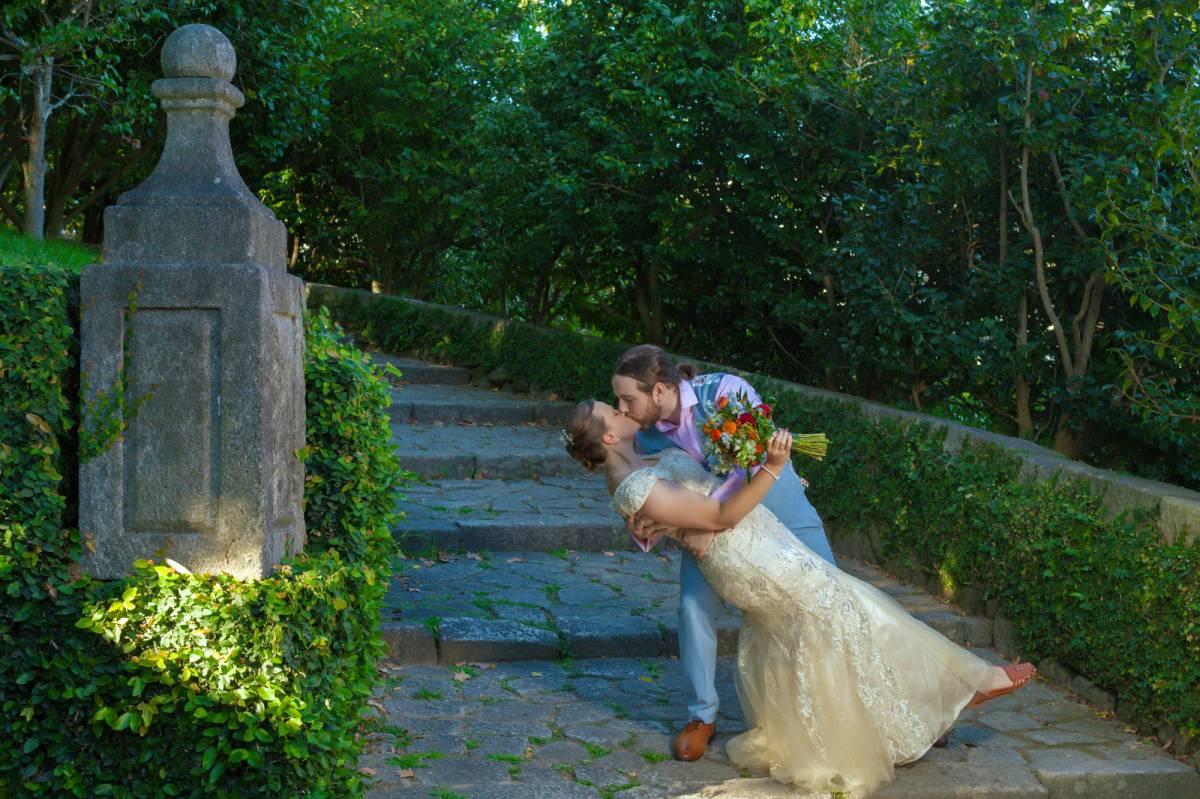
206,472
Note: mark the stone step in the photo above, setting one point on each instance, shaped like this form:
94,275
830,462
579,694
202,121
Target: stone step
453,404
440,450
592,728
422,372
493,605
539,515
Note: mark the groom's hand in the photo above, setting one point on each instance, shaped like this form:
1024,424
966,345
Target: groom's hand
644,528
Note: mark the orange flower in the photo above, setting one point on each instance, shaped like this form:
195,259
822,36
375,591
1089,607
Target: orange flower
715,435
722,402
730,427
758,449
752,433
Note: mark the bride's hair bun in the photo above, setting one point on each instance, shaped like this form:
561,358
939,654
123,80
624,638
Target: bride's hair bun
583,434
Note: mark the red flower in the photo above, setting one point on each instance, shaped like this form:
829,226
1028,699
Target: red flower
766,409
746,418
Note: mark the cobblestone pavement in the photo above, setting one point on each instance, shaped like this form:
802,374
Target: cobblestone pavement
532,648
603,727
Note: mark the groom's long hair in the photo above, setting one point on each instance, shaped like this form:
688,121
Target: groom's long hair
648,364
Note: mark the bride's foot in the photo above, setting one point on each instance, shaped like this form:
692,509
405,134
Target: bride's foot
1003,680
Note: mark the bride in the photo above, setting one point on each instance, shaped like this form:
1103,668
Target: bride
838,683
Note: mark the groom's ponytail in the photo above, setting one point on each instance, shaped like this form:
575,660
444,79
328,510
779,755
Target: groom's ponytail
648,364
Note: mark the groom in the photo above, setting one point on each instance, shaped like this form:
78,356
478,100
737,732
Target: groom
671,404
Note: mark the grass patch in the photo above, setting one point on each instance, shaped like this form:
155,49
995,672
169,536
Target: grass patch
617,708
505,758
596,751
613,790
653,757
414,759
446,793
471,744
425,693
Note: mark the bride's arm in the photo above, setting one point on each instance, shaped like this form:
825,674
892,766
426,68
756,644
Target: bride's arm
671,504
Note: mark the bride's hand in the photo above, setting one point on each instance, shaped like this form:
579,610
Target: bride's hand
779,449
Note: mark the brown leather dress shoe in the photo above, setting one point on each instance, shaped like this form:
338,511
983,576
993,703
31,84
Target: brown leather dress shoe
693,740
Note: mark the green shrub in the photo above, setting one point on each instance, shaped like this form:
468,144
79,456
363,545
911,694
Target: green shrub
1105,597
568,364
38,374
164,684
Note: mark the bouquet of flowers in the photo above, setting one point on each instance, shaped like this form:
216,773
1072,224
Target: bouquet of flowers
736,436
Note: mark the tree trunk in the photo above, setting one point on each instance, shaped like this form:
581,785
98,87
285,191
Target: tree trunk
649,303
34,167
1069,442
1025,427
93,221
78,144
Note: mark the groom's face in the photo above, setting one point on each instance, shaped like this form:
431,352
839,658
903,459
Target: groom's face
635,403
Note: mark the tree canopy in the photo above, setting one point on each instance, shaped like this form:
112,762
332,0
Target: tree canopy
985,209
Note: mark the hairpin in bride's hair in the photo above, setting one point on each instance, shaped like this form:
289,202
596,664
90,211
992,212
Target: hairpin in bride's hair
566,438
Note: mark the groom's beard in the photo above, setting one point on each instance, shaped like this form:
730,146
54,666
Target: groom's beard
653,415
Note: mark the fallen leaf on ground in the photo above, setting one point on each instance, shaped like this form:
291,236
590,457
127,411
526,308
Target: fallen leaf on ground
517,560
461,676
483,665
407,772
370,772
474,556
608,554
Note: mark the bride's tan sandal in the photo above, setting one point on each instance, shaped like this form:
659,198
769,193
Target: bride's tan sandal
1019,674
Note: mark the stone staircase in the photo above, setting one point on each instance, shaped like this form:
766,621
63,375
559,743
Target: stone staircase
532,648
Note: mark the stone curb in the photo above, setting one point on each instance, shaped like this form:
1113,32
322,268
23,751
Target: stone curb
465,639
502,536
421,373
498,464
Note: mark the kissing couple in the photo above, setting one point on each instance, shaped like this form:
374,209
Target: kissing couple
837,681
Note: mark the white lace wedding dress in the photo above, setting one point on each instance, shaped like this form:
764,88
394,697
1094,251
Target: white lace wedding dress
837,681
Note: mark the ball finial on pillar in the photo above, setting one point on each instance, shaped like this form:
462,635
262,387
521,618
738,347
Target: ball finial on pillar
198,51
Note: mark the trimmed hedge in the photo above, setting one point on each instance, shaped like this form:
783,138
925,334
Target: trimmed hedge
1105,597
164,684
